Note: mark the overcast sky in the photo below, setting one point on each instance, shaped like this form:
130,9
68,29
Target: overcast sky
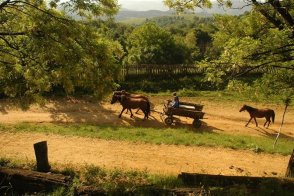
142,5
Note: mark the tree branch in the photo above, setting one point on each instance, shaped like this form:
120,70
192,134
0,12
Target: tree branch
6,52
283,12
12,33
280,50
262,65
13,3
4,3
278,23
6,62
8,43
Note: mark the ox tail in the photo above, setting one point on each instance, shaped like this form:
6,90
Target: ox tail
273,116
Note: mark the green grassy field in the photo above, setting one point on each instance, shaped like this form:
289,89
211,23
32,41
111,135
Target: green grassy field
169,136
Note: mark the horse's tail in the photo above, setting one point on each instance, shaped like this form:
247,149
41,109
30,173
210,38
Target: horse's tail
273,116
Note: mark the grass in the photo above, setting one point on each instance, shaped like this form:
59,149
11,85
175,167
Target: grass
170,136
129,180
112,181
132,182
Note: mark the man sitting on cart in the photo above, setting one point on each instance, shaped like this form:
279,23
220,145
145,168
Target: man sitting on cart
175,103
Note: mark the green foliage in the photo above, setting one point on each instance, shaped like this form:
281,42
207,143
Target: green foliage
247,44
150,44
260,41
57,53
114,180
278,86
182,5
4,162
87,8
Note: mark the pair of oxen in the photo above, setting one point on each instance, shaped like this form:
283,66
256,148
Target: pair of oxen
131,101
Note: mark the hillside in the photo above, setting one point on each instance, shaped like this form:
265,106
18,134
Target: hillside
129,14
133,15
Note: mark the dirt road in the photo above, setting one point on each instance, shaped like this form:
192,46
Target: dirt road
221,117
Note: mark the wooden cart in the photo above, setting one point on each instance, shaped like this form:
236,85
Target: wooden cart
185,109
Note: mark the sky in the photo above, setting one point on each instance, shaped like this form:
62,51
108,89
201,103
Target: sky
143,5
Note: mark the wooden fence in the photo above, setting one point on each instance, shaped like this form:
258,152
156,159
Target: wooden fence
148,69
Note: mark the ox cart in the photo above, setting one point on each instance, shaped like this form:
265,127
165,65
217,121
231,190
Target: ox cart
185,109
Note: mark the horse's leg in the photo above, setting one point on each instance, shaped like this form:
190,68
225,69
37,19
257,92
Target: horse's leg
137,111
131,113
121,112
265,122
269,121
144,111
255,121
127,111
145,114
248,122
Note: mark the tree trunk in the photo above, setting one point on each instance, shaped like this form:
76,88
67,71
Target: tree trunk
41,152
290,168
30,181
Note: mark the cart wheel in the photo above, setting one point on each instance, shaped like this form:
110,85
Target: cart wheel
168,120
197,123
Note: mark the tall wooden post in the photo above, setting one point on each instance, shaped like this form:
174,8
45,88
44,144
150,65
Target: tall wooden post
290,168
41,152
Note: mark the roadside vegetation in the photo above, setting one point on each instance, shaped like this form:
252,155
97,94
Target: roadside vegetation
158,136
122,182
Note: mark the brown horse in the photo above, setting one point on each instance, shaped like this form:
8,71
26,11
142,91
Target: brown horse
259,113
123,92
132,103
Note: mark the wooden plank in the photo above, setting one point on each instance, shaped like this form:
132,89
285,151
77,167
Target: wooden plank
31,181
194,179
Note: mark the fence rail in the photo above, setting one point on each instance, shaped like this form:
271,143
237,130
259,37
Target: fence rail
170,69
146,69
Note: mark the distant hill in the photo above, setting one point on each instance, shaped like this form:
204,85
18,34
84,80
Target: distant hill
124,14
132,15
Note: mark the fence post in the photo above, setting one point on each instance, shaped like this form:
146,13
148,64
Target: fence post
41,152
290,168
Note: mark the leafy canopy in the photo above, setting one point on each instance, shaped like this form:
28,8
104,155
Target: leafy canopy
42,49
261,41
151,44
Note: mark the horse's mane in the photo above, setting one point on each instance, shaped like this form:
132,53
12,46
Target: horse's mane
122,92
249,108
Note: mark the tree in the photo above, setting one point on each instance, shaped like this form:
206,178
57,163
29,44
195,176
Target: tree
278,12
42,48
260,41
150,44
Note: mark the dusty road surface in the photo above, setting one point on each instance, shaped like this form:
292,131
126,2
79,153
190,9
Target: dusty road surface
221,117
